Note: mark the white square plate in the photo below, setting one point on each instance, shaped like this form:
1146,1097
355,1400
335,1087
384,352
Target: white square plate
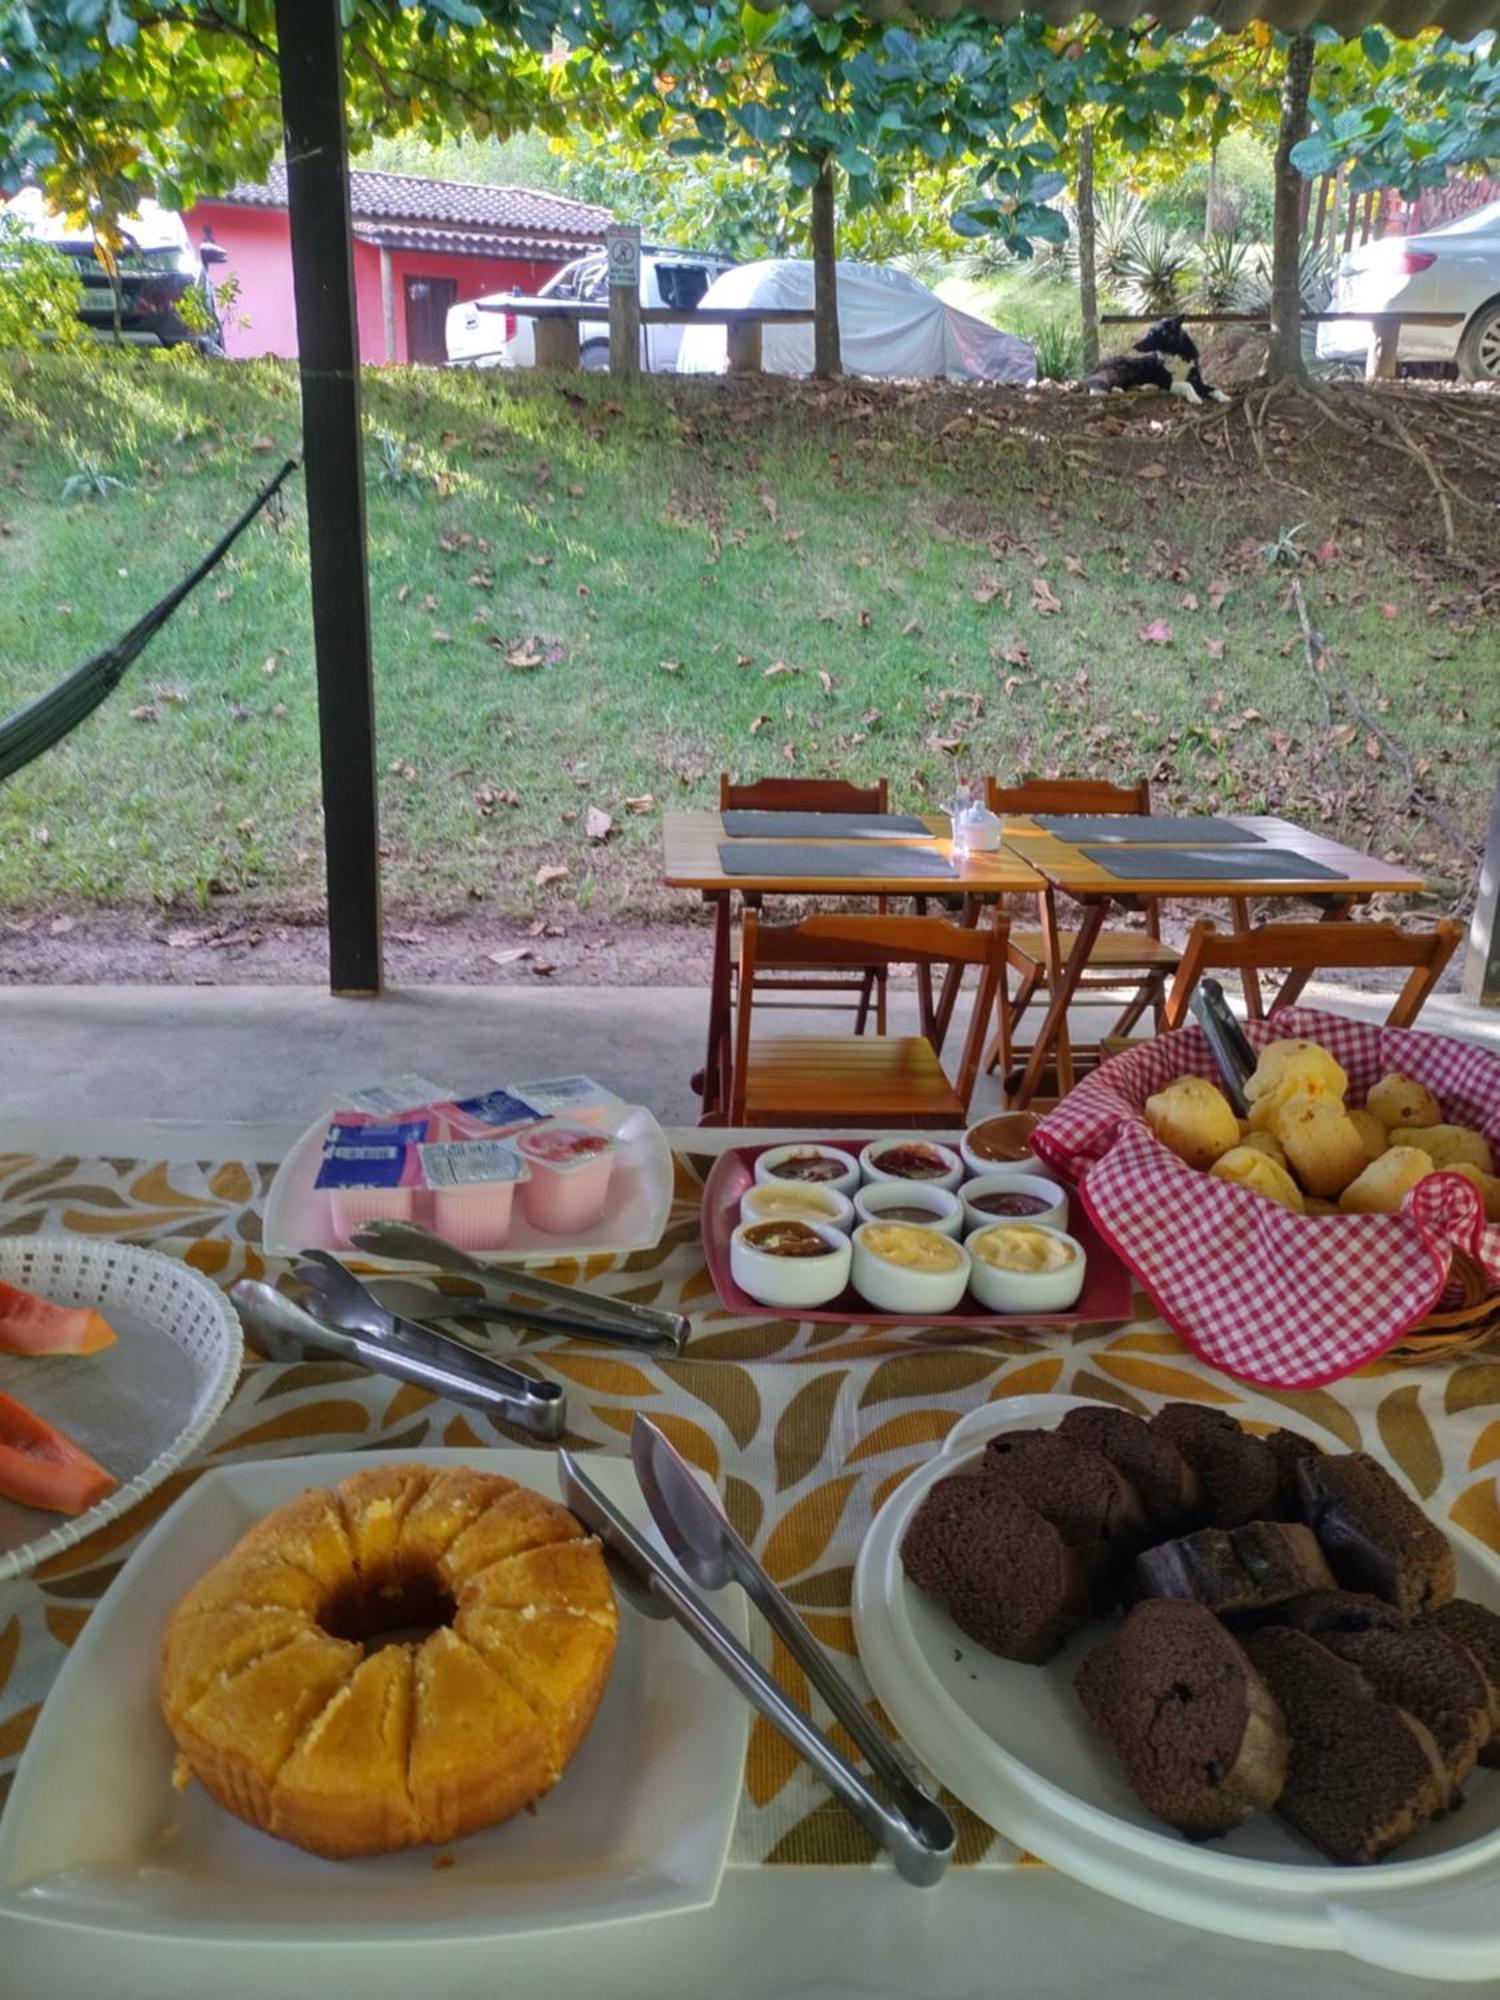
635,1212
95,1836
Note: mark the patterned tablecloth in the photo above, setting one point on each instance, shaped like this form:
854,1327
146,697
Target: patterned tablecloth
806,1428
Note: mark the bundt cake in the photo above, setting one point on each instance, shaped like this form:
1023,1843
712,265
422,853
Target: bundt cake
1002,1571
1163,1481
1374,1535
1236,1572
1239,1476
409,1657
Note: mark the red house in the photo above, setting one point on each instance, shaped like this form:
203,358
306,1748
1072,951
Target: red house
420,246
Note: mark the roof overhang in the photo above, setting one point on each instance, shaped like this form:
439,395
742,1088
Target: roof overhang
437,241
1459,18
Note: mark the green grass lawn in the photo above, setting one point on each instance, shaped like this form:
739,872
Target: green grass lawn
587,596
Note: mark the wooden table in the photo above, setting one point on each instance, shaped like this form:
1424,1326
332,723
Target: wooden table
690,844
1065,867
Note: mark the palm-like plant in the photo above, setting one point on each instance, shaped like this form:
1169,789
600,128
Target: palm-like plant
1156,270
1221,271
1118,214
1315,269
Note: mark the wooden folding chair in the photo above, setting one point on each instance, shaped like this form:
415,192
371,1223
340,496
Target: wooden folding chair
876,1080
1317,948
866,982
1138,961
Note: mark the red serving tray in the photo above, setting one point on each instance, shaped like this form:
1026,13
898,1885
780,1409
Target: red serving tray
1108,1288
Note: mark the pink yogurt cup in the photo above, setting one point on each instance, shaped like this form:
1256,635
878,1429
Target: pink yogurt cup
475,1217
571,1165
350,1207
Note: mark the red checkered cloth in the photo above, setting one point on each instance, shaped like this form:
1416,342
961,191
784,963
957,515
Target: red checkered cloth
1257,1290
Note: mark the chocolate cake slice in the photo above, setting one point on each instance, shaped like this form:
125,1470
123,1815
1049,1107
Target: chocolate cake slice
1091,1504
1236,1572
1165,1484
1476,1627
1432,1677
1324,1611
1238,1474
1289,1448
1374,1536
1363,1774
1200,1740
1005,1575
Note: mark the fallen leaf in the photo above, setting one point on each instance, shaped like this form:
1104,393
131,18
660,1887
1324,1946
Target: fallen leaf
262,444
826,680
1157,633
403,593
1016,654
1188,601
1215,648
525,659
768,501
543,969
671,666
511,954
60,926
1373,750
641,802
1074,565
550,872
147,712
759,724
1156,470
597,824
1390,610
986,593
1044,598
781,667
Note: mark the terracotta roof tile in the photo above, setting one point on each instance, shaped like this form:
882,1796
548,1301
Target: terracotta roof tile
376,197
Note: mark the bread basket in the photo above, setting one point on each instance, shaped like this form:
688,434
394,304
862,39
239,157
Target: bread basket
1288,1300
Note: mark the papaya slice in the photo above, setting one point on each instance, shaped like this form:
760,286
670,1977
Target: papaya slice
43,1467
29,1325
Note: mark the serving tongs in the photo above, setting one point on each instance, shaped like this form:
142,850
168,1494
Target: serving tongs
293,1315
913,1828
561,1308
1227,1041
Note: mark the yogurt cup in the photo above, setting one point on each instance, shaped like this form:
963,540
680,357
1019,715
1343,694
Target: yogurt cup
933,1280
569,1097
1019,1291
488,1114
1052,1214
773,1200
930,1207
369,1173
775,1162
1004,1140
473,1186
570,1165
896,1160
791,1282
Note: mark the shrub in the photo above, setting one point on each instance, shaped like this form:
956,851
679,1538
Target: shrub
1221,274
1156,270
39,293
1059,351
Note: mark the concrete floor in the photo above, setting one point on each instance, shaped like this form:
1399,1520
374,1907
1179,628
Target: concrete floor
253,1053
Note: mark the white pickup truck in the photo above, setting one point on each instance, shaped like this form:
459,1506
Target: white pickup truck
482,334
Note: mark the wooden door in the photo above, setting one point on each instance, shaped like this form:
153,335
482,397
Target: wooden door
427,303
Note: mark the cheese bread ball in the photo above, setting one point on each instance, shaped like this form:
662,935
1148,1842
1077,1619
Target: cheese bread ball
1451,1145
1487,1184
1248,1167
1373,1135
1193,1117
1322,1144
1288,1070
1399,1100
1384,1184
1267,1143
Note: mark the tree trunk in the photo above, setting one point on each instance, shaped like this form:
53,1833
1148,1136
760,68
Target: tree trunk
1211,200
1088,287
827,360
1285,359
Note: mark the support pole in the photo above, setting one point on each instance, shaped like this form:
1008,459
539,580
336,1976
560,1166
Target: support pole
622,248
310,40
388,302
1482,966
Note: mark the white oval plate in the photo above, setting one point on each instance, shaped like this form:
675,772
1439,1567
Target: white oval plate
635,1214
96,1837
140,1407
1013,1743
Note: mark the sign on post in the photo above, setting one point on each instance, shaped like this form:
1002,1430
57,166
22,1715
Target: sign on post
622,252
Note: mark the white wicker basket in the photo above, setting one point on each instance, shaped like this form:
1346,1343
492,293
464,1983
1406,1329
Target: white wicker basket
140,1407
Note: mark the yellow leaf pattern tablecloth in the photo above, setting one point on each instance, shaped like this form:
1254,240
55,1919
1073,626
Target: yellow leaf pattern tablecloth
806,1428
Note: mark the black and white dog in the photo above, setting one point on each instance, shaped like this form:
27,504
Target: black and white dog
1163,358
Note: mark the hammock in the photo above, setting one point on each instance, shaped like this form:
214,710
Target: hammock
51,717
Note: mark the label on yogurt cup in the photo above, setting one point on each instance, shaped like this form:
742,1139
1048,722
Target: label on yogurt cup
459,1163
501,1108
366,1166
402,1093
341,1137
556,1094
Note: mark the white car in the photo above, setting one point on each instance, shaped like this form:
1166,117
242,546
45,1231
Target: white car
1455,268
483,334
890,324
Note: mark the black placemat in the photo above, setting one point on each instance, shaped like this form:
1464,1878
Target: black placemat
744,825
1133,828
1210,864
893,859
